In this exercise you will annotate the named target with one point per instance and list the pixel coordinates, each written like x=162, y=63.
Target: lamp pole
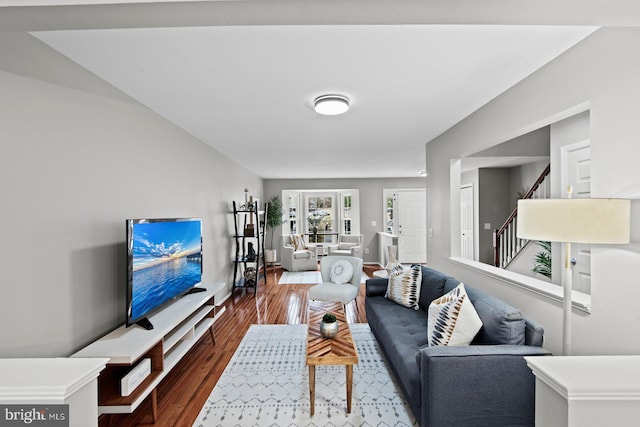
x=588, y=221
x=567, y=285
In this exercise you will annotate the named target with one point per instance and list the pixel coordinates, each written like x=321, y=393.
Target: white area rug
x=266, y=383
x=305, y=277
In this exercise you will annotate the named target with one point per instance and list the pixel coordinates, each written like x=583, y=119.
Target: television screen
x=164, y=261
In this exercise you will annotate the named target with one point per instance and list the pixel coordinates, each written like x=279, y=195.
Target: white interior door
x=466, y=221
x=412, y=226
x=576, y=172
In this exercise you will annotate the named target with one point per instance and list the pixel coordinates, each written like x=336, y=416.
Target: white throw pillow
x=341, y=272
x=452, y=319
x=298, y=242
x=404, y=284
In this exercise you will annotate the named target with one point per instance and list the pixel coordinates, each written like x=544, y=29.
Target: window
x=320, y=218
x=321, y=214
x=346, y=213
x=292, y=201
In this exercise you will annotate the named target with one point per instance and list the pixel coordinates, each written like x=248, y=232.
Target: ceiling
x=248, y=90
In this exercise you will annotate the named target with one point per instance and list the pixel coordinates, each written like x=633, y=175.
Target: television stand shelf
x=177, y=328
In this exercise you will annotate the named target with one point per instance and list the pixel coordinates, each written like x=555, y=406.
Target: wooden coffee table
x=339, y=350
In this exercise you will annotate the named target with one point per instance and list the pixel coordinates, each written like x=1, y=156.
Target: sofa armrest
x=286, y=259
x=376, y=287
x=533, y=333
x=331, y=248
x=479, y=385
x=357, y=252
x=288, y=248
x=426, y=353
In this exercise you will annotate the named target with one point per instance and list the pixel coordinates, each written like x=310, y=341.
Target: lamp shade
x=574, y=220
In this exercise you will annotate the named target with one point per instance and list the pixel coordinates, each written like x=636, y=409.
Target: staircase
x=506, y=245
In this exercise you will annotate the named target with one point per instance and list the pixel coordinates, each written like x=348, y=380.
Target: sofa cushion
x=432, y=286
x=404, y=286
x=452, y=320
x=350, y=238
x=501, y=323
x=301, y=254
x=400, y=332
x=346, y=246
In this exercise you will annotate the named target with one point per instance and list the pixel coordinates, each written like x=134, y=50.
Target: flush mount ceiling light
x=331, y=105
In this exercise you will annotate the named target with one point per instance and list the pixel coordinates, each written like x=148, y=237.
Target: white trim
x=589, y=378
x=580, y=301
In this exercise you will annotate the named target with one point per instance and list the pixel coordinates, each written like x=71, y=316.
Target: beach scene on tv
x=167, y=261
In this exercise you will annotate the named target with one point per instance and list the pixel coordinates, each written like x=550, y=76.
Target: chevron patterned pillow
x=452, y=319
x=404, y=285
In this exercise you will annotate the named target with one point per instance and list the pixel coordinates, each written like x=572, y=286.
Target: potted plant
x=329, y=325
x=274, y=220
x=542, y=260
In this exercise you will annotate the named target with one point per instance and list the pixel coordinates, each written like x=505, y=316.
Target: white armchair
x=337, y=292
x=296, y=256
x=348, y=245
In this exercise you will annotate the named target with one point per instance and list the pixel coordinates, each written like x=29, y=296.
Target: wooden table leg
x=154, y=405
x=213, y=337
x=312, y=387
x=349, y=386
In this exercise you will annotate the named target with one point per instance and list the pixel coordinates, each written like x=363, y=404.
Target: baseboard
x=374, y=263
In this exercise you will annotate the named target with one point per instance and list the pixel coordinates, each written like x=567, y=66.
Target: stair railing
x=506, y=245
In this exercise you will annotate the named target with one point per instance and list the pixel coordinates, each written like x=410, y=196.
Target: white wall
x=76, y=161
x=493, y=208
x=603, y=70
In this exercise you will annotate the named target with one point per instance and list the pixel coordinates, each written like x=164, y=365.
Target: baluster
x=509, y=249
x=514, y=238
x=505, y=242
x=506, y=245
x=504, y=248
x=499, y=249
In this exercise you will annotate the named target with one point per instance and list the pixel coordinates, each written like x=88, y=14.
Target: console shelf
x=177, y=328
x=249, y=227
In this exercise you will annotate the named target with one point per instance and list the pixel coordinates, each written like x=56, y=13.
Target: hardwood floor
x=183, y=392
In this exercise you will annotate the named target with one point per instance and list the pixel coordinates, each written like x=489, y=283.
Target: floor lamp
x=604, y=221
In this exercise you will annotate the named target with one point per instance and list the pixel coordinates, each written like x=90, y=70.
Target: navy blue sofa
x=484, y=384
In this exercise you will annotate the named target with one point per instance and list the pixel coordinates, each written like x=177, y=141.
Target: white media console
x=52, y=381
x=176, y=328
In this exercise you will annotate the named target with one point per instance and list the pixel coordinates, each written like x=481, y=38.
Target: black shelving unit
x=249, y=225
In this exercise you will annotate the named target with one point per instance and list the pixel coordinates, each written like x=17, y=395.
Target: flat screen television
x=164, y=262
